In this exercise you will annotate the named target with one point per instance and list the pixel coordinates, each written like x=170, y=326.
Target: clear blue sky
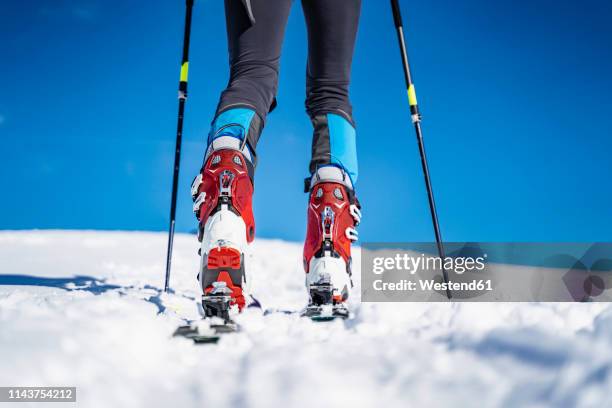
x=515, y=98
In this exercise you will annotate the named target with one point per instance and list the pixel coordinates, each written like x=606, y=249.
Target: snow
x=86, y=309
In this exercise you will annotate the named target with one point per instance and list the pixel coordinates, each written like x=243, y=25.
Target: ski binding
x=322, y=307
x=206, y=331
x=216, y=320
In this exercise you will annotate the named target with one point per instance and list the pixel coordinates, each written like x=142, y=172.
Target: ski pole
x=416, y=120
x=182, y=97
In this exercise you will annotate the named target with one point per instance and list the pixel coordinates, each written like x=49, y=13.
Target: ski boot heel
x=222, y=280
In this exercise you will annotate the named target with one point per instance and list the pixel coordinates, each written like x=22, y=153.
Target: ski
x=316, y=313
x=321, y=307
x=325, y=313
x=206, y=331
x=216, y=321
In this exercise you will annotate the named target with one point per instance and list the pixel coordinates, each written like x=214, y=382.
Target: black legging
x=255, y=31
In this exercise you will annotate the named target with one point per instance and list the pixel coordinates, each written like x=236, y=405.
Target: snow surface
x=85, y=309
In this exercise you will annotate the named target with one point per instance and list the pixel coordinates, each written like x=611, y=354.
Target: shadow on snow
x=80, y=282
x=89, y=284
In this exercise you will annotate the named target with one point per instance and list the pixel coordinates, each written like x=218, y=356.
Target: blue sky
x=515, y=98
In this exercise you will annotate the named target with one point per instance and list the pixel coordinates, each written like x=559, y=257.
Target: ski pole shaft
x=182, y=97
x=416, y=120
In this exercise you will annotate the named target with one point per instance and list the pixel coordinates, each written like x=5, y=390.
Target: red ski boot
x=333, y=214
x=222, y=195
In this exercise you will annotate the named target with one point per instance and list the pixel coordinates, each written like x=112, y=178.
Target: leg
x=333, y=210
x=332, y=29
x=254, y=54
x=222, y=192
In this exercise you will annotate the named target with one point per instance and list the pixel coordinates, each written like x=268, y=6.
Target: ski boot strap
x=327, y=174
x=233, y=143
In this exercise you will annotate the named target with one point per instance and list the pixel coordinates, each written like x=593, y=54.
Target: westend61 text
x=431, y=285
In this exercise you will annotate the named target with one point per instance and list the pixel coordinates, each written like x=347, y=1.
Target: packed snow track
x=86, y=309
